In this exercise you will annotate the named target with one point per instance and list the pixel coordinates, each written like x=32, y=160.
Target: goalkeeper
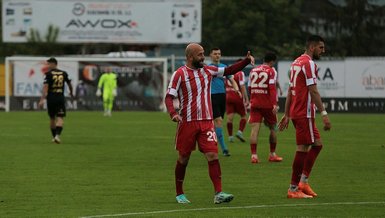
x=107, y=82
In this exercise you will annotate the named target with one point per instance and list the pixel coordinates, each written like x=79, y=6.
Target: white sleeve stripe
x=172, y=92
x=312, y=68
x=271, y=81
x=310, y=82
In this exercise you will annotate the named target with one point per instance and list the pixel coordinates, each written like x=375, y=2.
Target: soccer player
x=108, y=82
x=263, y=105
x=191, y=84
x=218, y=98
x=236, y=102
x=53, y=92
x=302, y=100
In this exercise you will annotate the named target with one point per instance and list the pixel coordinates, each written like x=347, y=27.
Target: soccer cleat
x=181, y=199
x=226, y=153
x=305, y=188
x=254, y=160
x=56, y=139
x=297, y=194
x=231, y=139
x=275, y=158
x=221, y=197
x=239, y=135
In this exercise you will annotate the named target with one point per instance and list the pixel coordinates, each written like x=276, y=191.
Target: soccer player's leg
x=302, y=140
x=110, y=104
x=180, y=172
x=310, y=159
x=270, y=119
x=230, y=116
x=59, y=112
x=207, y=145
x=106, y=101
x=52, y=110
x=255, y=120
x=255, y=127
x=241, y=110
x=185, y=144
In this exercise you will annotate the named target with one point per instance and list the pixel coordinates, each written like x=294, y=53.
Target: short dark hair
x=52, y=60
x=269, y=56
x=214, y=49
x=313, y=39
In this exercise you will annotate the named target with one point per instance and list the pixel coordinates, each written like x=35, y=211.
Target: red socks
x=310, y=159
x=272, y=147
x=230, y=129
x=298, y=163
x=180, y=172
x=215, y=175
x=242, y=124
x=214, y=172
x=253, y=148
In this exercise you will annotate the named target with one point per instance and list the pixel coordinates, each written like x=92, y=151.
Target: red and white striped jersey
x=303, y=73
x=192, y=88
x=262, y=80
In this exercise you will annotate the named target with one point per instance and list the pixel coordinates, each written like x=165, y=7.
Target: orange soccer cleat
x=305, y=188
x=297, y=194
x=275, y=158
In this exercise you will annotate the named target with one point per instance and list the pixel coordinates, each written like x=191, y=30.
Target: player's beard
x=316, y=56
x=197, y=63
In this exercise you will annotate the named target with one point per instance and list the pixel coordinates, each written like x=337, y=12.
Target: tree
x=237, y=26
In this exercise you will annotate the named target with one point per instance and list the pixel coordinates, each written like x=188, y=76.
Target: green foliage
x=125, y=164
x=238, y=26
x=50, y=37
x=356, y=29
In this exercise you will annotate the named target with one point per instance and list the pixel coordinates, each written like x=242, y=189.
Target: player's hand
x=176, y=118
x=98, y=93
x=246, y=102
x=275, y=109
x=239, y=93
x=284, y=123
x=41, y=103
x=249, y=56
x=327, y=124
x=72, y=95
x=114, y=92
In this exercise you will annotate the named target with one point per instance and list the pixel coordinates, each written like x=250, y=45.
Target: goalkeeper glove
x=98, y=93
x=114, y=92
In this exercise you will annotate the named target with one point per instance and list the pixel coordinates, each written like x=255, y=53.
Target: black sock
x=53, y=131
x=58, y=130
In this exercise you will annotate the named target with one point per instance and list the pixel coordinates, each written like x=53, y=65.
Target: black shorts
x=218, y=102
x=56, y=106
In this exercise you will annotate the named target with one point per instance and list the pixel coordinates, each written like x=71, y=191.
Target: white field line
x=233, y=208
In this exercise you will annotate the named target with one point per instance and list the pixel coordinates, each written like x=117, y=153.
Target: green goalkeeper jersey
x=108, y=81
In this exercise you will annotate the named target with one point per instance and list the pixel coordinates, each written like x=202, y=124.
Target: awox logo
x=103, y=23
x=78, y=9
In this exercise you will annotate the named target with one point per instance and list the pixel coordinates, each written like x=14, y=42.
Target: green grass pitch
x=123, y=166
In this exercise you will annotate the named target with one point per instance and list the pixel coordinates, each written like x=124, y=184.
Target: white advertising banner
x=29, y=75
x=365, y=77
x=117, y=21
x=331, y=77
